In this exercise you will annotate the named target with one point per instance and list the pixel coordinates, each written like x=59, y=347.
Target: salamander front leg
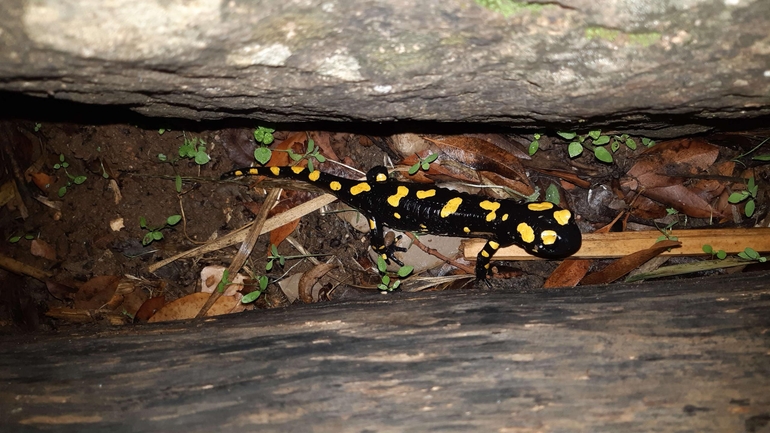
x=377, y=240
x=483, y=259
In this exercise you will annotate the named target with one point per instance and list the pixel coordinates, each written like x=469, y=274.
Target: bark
x=666, y=356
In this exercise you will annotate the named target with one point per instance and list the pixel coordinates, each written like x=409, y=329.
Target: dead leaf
x=624, y=265
x=41, y=248
x=480, y=155
x=96, y=292
x=568, y=273
x=310, y=278
x=187, y=307
x=149, y=307
x=42, y=181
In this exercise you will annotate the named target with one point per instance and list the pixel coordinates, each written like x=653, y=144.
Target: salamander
x=540, y=228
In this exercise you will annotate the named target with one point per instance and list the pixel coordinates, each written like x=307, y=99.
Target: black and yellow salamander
x=540, y=228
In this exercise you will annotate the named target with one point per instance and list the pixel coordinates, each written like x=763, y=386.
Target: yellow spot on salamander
x=562, y=216
x=253, y=171
x=237, y=173
x=275, y=170
x=486, y=266
x=484, y=253
x=372, y=224
x=451, y=207
x=491, y=206
x=314, y=175
x=395, y=199
x=397, y=215
x=359, y=188
x=505, y=217
x=335, y=186
x=494, y=245
x=466, y=230
x=544, y=205
x=381, y=177
x=548, y=237
x=297, y=169
x=425, y=193
x=526, y=232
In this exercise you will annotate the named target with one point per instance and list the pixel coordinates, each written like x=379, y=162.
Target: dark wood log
x=668, y=356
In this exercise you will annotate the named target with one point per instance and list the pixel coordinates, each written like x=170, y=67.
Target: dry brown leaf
x=150, y=307
x=187, y=307
x=480, y=155
x=42, y=181
x=568, y=273
x=624, y=265
x=41, y=248
x=96, y=292
x=310, y=278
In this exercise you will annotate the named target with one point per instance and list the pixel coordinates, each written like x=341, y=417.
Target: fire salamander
x=540, y=228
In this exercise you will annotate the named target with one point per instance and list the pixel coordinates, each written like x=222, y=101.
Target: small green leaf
x=157, y=235
x=430, y=158
x=294, y=156
x=147, y=239
x=142, y=222
x=751, y=253
x=178, y=183
x=56, y=166
x=661, y=238
x=386, y=280
x=631, y=144
x=721, y=254
x=79, y=179
x=269, y=265
x=310, y=165
x=602, y=140
x=425, y=166
x=382, y=287
x=566, y=135
x=162, y=157
x=310, y=145
x=405, y=270
x=382, y=266
x=537, y=137
x=14, y=239
x=552, y=194
x=274, y=250
x=761, y=158
x=282, y=260
x=62, y=191
x=603, y=155
x=173, y=219
x=65, y=164
x=614, y=146
x=707, y=249
x=575, y=149
x=224, y=281
x=61, y=157
x=738, y=197
x=671, y=211
x=413, y=169
x=320, y=158
x=395, y=285
x=29, y=236
x=595, y=134
x=750, y=206
x=251, y=297
x=262, y=282
x=262, y=154
x=533, y=147
x=202, y=158
x=161, y=131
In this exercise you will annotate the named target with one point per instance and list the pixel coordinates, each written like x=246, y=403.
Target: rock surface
x=619, y=62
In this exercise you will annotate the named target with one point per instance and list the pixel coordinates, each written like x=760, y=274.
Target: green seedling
x=534, y=145
x=647, y=142
x=38, y=126
x=276, y=256
x=720, y=254
x=194, y=148
x=16, y=238
x=224, y=282
x=162, y=131
x=666, y=232
x=263, y=136
x=77, y=180
x=751, y=254
x=251, y=297
x=312, y=152
x=578, y=144
x=386, y=284
x=423, y=163
x=178, y=183
x=763, y=158
x=750, y=194
x=154, y=233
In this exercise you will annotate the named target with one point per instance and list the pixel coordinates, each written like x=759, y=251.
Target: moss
x=612, y=35
x=509, y=7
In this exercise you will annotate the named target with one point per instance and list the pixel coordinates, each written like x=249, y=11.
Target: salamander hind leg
x=377, y=241
x=484, y=257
